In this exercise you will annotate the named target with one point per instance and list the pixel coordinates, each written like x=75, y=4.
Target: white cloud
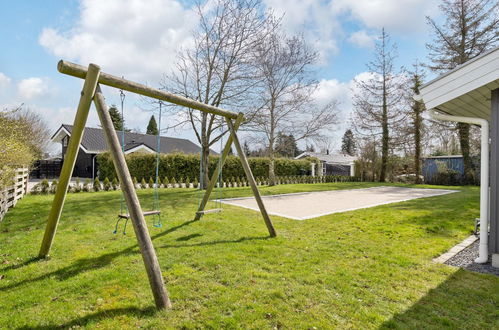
x=4, y=80
x=134, y=38
x=314, y=19
x=397, y=16
x=33, y=87
x=362, y=39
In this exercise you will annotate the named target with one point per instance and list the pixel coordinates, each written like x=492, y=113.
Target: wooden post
x=91, y=78
x=251, y=179
x=139, y=225
x=216, y=173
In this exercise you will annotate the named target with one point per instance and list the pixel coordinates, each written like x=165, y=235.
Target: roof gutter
x=483, y=255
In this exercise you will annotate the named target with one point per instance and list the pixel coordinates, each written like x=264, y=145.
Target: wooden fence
x=10, y=195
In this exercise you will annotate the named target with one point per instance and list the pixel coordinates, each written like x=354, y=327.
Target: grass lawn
x=368, y=268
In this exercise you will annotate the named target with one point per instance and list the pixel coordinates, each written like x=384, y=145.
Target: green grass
x=368, y=268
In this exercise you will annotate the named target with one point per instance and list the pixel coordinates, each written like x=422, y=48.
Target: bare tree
x=217, y=69
x=286, y=93
x=377, y=101
x=470, y=29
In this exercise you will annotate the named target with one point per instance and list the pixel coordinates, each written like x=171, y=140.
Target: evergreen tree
x=118, y=122
x=286, y=145
x=378, y=100
x=417, y=110
x=152, y=127
x=348, y=145
x=469, y=30
x=246, y=149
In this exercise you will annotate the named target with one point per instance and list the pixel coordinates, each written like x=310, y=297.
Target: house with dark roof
x=332, y=164
x=94, y=142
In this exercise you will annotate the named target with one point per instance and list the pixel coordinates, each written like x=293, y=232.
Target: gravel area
x=464, y=259
x=302, y=206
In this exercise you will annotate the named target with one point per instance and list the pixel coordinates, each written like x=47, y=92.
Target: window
x=65, y=141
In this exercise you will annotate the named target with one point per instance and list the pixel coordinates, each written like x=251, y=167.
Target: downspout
x=483, y=253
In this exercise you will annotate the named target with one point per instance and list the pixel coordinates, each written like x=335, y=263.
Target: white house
x=332, y=164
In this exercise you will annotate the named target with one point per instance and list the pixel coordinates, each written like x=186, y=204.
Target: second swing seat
x=127, y=216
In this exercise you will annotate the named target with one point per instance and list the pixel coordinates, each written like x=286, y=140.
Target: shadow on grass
x=453, y=305
x=240, y=240
x=25, y=263
x=85, y=264
x=96, y=317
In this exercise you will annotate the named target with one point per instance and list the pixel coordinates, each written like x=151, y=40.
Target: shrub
x=174, y=182
x=143, y=183
x=166, y=182
x=107, y=184
x=195, y=183
x=134, y=180
x=97, y=186
x=53, y=187
x=77, y=186
x=86, y=185
x=44, y=186
x=187, y=182
x=115, y=184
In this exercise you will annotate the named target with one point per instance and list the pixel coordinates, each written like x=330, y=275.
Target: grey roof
x=94, y=141
x=329, y=158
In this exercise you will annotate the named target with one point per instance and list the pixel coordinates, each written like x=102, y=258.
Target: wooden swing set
x=93, y=78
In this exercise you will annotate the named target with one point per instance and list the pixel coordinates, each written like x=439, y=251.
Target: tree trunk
x=385, y=137
x=464, y=141
x=417, y=141
x=205, y=153
x=272, y=180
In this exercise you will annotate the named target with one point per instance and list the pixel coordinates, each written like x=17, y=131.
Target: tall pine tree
x=348, y=145
x=152, y=127
x=378, y=100
x=118, y=122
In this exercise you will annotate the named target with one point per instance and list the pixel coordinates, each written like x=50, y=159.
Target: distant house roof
x=94, y=141
x=341, y=159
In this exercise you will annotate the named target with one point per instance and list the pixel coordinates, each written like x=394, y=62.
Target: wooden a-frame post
x=80, y=120
x=251, y=179
x=132, y=201
x=216, y=173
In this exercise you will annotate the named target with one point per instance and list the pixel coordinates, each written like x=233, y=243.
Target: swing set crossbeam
x=79, y=71
x=147, y=213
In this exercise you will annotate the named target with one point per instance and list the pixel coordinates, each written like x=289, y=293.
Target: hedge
x=179, y=166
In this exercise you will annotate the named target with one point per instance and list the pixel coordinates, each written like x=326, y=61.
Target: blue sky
x=138, y=39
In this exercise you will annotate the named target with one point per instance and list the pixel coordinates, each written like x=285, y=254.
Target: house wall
x=83, y=165
x=333, y=169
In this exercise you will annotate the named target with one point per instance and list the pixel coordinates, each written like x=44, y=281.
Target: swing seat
x=147, y=213
x=209, y=211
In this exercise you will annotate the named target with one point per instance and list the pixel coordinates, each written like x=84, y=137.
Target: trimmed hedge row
x=45, y=187
x=181, y=166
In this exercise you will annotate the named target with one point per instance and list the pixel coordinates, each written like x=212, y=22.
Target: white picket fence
x=10, y=195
